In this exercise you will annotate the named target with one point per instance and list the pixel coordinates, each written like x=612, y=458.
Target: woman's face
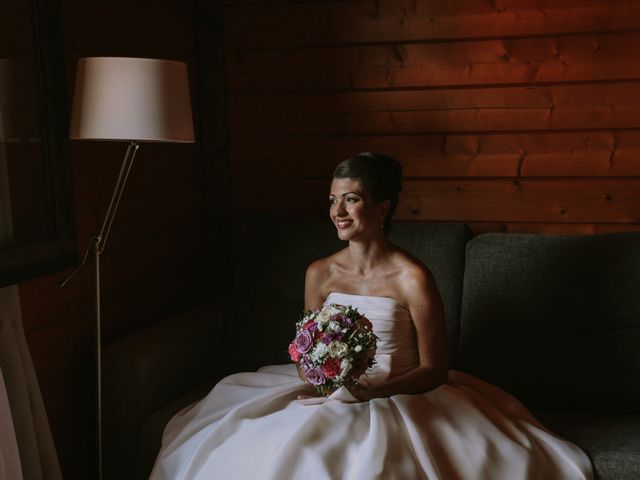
x=353, y=211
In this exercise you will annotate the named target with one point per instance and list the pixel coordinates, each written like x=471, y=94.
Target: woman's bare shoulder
x=318, y=278
x=415, y=277
x=323, y=267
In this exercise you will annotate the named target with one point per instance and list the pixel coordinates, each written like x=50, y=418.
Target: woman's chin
x=342, y=235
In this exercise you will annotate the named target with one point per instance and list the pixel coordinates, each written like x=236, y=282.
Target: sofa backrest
x=270, y=259
x=555, y=320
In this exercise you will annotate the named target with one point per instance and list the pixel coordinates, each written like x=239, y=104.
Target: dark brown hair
x=380, y=175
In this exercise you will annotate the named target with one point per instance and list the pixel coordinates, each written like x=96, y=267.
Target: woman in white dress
x=409, y=418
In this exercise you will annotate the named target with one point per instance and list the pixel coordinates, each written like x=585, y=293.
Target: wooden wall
x=516, y=115
x=153, y=265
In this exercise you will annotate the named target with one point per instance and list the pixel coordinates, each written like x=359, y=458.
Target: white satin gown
x=251, y=425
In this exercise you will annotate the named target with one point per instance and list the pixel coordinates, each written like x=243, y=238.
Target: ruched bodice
x=396, y=347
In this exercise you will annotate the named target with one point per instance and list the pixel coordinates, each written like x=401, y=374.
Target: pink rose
x=294, y=353
x=314, y=376
x=303, y=341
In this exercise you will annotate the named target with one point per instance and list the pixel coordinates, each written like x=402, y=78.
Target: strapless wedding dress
x=251, y=425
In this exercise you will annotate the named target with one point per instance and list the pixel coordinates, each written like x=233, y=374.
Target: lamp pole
x=97, y=244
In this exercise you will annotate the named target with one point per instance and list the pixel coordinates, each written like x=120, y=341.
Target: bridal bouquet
x=334, y=346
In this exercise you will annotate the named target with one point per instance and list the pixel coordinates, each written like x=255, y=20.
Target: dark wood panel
x=463, y=200
x=562, y=201
x=126, y=269
x=13, y=42
x=99, y=25
x=73, y=337
x=581, y=58
x=141, y=218
x=609, y=95
x=185, y=4
x=280, y=196
x=159, y=257
x=491, y=155
x=43, y=302
x=154, y=299
x=567, y=107
x=269, y=25
x=156, y=167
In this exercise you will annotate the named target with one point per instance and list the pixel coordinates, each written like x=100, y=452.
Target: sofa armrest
x=149, y=369
x=153, y=426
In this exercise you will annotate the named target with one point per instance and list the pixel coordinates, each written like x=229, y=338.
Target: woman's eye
x=352, y=199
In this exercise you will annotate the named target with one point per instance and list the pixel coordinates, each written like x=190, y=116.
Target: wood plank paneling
x=156, y=167
x=550, y=154
x=513, y=115
x=251, y=26
x=463, y=200
x=566, y=107
x=98, y=25
x=595, y=57
x=560, y=201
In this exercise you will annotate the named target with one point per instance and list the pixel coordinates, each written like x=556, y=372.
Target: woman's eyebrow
x=344, y=194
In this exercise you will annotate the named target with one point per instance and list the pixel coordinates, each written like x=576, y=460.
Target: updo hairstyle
x=380, y=175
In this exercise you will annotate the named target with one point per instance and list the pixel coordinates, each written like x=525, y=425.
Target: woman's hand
x=301, y=373
x=360, y=392
x=306, y=396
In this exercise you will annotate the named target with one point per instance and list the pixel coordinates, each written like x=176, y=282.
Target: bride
x=409, y=417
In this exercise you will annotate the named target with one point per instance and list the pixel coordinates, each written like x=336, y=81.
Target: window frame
x=57, y=250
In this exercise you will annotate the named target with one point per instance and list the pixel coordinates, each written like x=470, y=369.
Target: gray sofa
x=555, y=320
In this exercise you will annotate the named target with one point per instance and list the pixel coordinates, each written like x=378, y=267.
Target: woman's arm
x=313, y=298
x=425, y=305
x=313, y=281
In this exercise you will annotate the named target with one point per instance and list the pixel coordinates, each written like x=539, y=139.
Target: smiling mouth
x=343, y=223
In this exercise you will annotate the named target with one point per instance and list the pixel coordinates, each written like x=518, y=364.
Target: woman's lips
x=343, y=223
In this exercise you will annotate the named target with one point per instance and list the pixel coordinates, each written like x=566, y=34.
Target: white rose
x=319, y=351
x=333, y=326
x=324, y=316
x=338, y=349
x=358, y=348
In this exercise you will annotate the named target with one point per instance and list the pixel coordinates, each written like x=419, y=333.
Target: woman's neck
x=367, y=255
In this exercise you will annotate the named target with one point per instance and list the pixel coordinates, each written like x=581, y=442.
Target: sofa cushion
x=555, y=320
x=612, y=441
x=270, y=260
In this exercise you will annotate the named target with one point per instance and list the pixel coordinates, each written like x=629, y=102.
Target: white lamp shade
x=140, y=99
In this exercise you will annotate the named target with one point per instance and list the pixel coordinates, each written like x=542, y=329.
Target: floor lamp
x=133, y=100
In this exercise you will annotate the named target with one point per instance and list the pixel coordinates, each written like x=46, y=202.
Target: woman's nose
x=340, y=209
